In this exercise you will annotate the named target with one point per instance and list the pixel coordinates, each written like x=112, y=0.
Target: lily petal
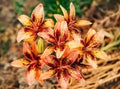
x=51, y=61
x=72, y=11
x=63, y=79
x=59, y=52
x=48, y=23
x=71, y=58
x=101, y=34
x=49, y=50
x=22, y=35
x=64, y=12
x=59, y=18
x=47, y=35
x=64, y=30
x=30, y=76
x=34, y=48
x=26, y=47
x=38, y=14
x=27, y=51
x=74, y=44
x=75, y=73
x=61, y=31
x=25, y=20
x=91, y=61
x=20, y=63
x=48, y=74
x=81, y=23
x=100, y=54
x=90, y=35
x=38, y=73
x=76, y=36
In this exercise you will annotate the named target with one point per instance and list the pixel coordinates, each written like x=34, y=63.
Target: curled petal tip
x=72, y=11
x=58, y=17
x=38, y=13
x=64, y=12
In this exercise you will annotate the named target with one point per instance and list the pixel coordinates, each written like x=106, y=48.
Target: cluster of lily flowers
x=59, y=46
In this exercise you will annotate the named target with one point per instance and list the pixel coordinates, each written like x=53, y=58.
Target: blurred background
x=105, y=15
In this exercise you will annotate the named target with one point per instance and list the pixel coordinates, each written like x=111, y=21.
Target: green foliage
x=107, y=0
x=2, y=28
x=4, y=47
x=19, y=6
x=53, y=6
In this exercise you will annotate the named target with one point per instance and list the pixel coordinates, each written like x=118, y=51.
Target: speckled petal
x=48, y=74
x=38, y=14
x=25, y=20
x=20, y=63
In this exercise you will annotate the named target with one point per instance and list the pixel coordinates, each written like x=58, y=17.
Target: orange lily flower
x=89, y=47
x=31, y=59
x=73, y=23
x=62, y=68
x=57, y=37
x=34, y=24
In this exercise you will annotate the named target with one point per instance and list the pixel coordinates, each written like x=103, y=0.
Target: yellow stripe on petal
x=89, y=35
x=25, y=20
x=20, y=63
x=81, y=23
x=48, y=23
x=30, y=39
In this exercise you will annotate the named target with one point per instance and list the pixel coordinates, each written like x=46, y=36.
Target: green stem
x=111, y=45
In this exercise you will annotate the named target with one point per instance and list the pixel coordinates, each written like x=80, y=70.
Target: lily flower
x=62, y=68
x=33, y=61
x=34, y=24
x=73, y=23
x=89, y=47
x=57, y=37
